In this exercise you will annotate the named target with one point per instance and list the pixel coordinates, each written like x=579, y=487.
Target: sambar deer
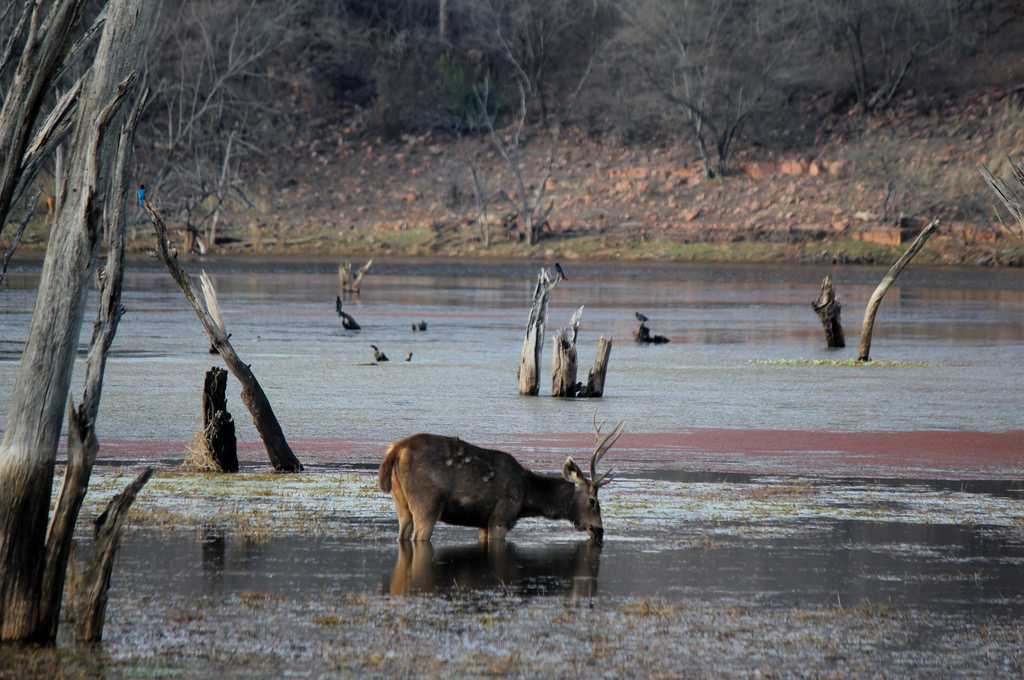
x=434, y=478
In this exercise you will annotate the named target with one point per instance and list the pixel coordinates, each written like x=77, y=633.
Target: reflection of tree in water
x=570, y=569
x=213, y=546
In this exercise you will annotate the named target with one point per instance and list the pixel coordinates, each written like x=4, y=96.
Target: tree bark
x=96, y=586
x=563, y=366
x=528, y=373
x=278, y=450
x=828, y=308
x=595, y=379
x=864, y=349
x=215, y=447
x=45, y=44
x=39, y=396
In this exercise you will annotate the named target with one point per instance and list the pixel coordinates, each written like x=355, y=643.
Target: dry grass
x=778, y=490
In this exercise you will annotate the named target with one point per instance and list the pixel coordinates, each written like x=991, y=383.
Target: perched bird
x=640, y=317
x=408, y=356
x=378, y=356
x=561, y=272
x=421, y=326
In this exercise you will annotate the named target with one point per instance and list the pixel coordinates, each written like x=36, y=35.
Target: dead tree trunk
x=827, y=307
x=528, y=373
x=349, y=279
x=864, y=349
x=563, y=363
x=39, y=396
x=595, y=379
x=93, y=597
x=215, y=446
x=278, y=450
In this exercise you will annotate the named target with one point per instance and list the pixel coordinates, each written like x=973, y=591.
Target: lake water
x=831, y=519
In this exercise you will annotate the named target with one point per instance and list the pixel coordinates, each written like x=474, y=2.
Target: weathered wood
x=864, y=349
x=349, y=279
x=93, y=599
x=828, y=308
x=528, y=373
x=255, y=400
x=38, y=399
x=563, y=363
x=595, y=379
x=215, y=446
x=82, y=444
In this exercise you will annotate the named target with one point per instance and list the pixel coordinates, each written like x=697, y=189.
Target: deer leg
x=423, y=519
x=405, y=523
x=496, y=533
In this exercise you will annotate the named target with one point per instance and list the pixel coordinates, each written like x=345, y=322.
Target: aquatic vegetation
x=841, y=363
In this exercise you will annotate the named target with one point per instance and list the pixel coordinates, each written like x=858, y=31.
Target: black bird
x=337, y=304
x=378, y=355
x=347, y=321
x=640, y=317
x=408, y=356
x=561, y=272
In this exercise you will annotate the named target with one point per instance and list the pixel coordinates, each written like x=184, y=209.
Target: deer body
x=434, y=478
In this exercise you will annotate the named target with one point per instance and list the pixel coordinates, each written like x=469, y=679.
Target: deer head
x=585, y=510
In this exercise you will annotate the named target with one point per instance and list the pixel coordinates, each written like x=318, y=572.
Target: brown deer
x=434, y=478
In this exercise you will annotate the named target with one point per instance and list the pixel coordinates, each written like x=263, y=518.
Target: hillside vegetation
x=677, y=129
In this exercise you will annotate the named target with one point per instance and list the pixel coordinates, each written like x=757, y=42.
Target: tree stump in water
x=215, y=446
x=563, y=366
x=828, y=308
x=642, y=334
x=595, y=379
x=528, y=373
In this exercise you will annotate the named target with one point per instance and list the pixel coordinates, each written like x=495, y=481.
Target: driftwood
x=642, y=334
x=351, y=279
x=278, y=450
x=828, y=308
x=92, y=599
x=215, y=446
x=528, y=373
x=347, y=322
x=864, y=349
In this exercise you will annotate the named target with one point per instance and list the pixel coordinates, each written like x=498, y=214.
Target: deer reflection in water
x=570, y=569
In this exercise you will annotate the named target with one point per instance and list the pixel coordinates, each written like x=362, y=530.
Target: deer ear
x=572, y=473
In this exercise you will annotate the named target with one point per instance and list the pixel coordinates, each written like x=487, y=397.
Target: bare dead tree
x=712, y=60
x=278, y=450
x=864, y=348
x=39, y=397
x=531, y=214
x=563, y=361
x=1011, y=195
x=350, y=279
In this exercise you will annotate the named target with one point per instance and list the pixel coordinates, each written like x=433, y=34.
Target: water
x=768, y=518
x=966, y=326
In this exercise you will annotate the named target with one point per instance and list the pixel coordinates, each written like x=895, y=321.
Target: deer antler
x=601, y=446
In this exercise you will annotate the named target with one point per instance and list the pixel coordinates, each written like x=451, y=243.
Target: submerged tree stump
x=595, y=379
x=828, y=308
x=350, y=280
x=215, y=446
x=563, y=363
x=528, y=373
x=864, y=348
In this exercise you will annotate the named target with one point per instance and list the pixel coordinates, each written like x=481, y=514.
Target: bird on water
x=378, y=356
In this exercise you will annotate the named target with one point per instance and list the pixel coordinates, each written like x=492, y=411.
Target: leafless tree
x=33, y=558
x=713, y=60
x=1010, y=194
